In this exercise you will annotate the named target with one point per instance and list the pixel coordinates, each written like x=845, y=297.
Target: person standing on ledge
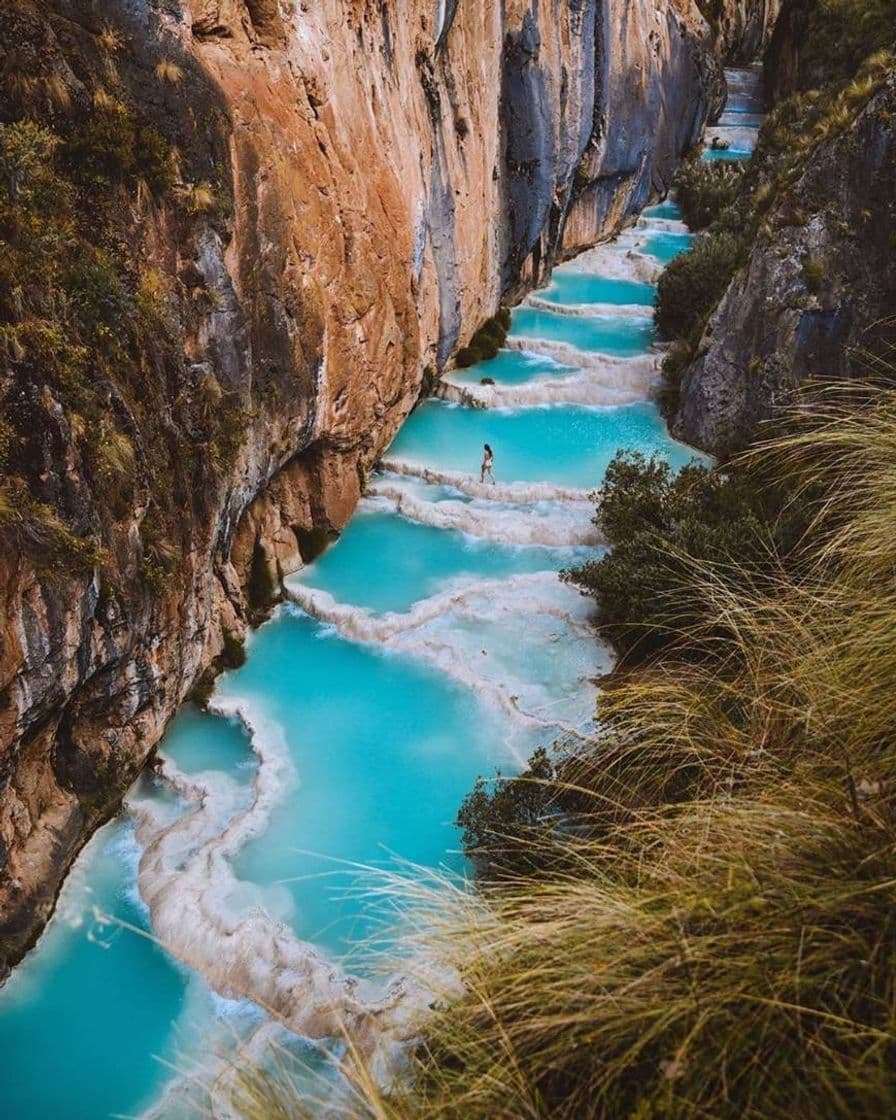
x=486, y=470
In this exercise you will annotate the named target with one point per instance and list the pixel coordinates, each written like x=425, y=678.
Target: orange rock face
x=397, y=170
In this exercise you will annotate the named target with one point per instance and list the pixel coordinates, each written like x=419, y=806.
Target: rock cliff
x=818, y=289
x=261, y=224
x=742, y=27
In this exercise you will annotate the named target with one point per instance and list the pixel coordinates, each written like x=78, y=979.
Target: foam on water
x=606, y=381
x=619, y=260
x=512, y=367
x=430, y=630
x=415, y=558
x=462, y=482
x=549, y=524
x=593, y=310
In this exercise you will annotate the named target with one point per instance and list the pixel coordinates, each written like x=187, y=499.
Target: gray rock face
x=744, y=27
x=783, y=54
x=811, y=294
x=590, y=134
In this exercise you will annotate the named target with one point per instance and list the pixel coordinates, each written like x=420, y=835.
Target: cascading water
x=432, y=643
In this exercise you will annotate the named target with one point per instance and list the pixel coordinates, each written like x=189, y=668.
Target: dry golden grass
x=169, y=72
x=110, y=40
x=200, y=198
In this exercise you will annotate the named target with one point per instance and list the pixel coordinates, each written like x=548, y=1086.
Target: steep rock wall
x=360, y=185
x=815, y=293
x=784, y=68
x=743, y=27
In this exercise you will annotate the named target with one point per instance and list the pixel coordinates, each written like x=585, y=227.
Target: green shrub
x=100, y=303
x=498, y=823
x=658, y=524
x=26, y=166
x=102, y=150
x=840, y=36
x=153, y=160
x=39, y=529
x=692, y=285
x=233, y=655
x=486, y=342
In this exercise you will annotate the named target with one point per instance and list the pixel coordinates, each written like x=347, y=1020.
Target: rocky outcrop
x=784, y=70
x=356, y=191
x=742, y=27
x=815, y=293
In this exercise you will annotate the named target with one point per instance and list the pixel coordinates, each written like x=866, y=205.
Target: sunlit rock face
x=386, y=175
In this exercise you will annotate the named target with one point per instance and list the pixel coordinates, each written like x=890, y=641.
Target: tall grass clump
x=696, y=915
x=703, y=190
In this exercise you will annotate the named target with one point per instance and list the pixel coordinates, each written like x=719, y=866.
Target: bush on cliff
x=486, y=342
x=498, y=820
x=658, y=524
x=840, y=35
x=102, y=413
x=692, y=285
x=749, y=195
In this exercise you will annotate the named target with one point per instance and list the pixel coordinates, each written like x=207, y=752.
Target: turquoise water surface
x=667, y=209
x=513, y=367
x=81, y=1020
x=563, y=444
x=740, y=118
x=570, y=286
x=667, y=246
x=734, y=154
x=414, y=561
x=621, y=337
x=378, y=727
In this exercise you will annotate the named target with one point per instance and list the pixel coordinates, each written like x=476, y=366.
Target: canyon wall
x=742, y=27
x=284, y=217
x=818, y=286
x=814, y=300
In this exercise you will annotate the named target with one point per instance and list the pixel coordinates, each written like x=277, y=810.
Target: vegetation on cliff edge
x=92, y=310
